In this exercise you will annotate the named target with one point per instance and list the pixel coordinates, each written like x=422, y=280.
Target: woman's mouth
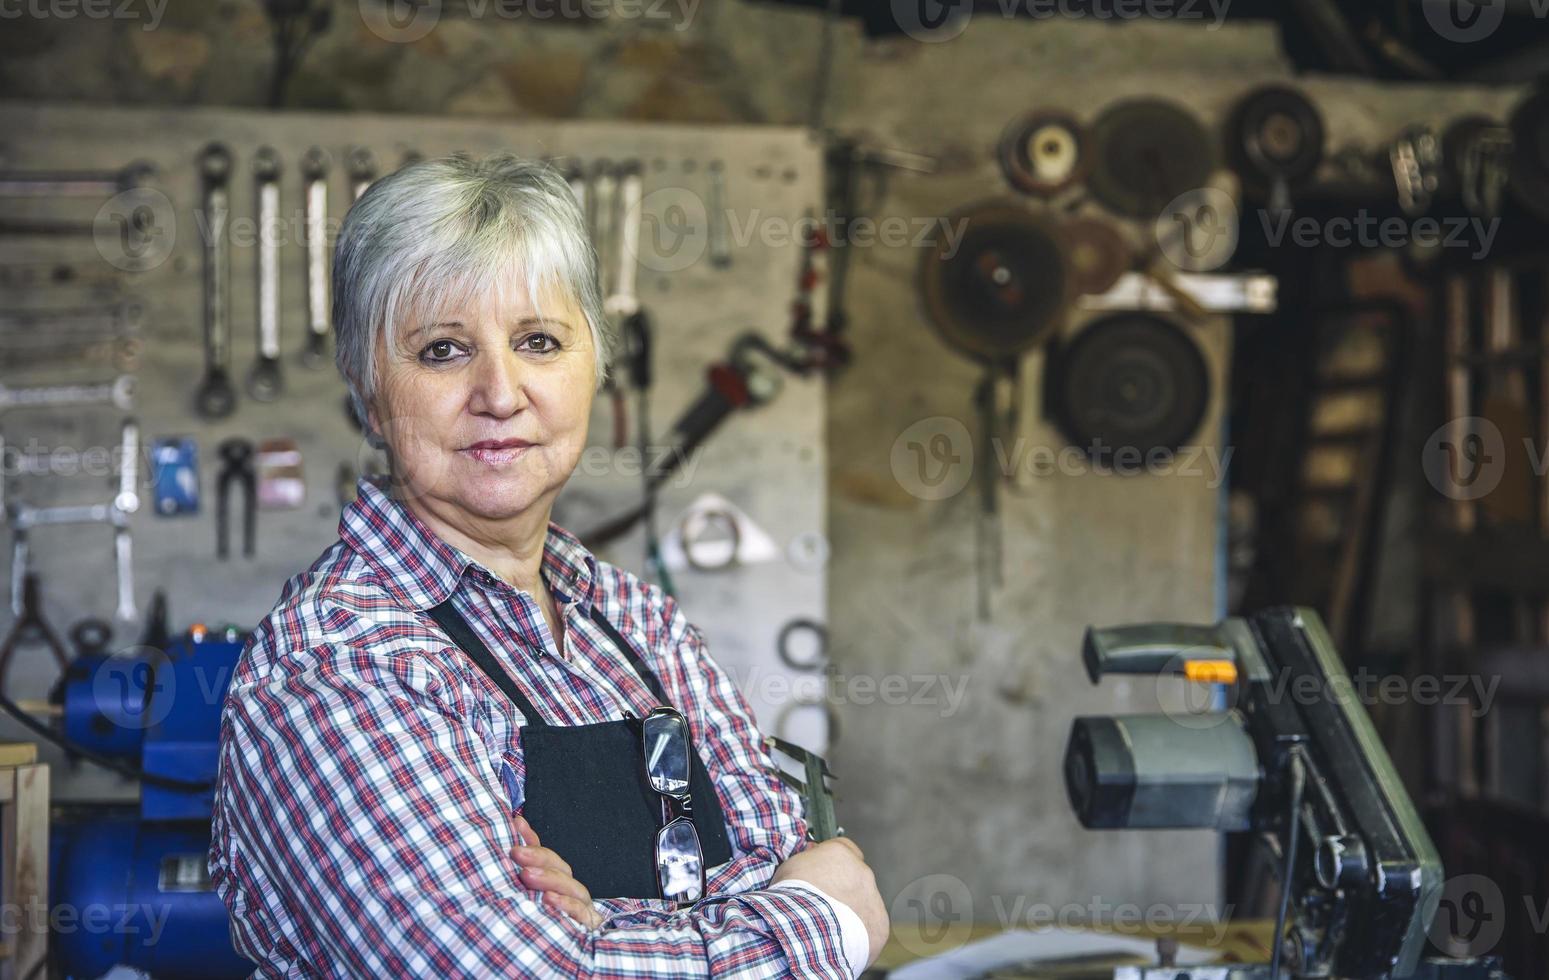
x=496, y=452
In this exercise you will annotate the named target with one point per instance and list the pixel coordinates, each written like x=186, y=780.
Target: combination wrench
x=266, y=381
x=74, y=183
x=216, y=398
x=362, y=168
x=119, y=393
x=314, y=170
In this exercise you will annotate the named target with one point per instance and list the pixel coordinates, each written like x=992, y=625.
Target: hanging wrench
x=216, y=398
x=720, y=251
x=74, y=183
x=622, y=302
x=604, y=185
x=119, y=393
x=265, y=381
x=314, y=170
x=362, y=167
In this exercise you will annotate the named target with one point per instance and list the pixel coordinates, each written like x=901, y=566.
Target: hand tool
x=602, y=194
x=1127, y=381
x=236, y=466
x=1476, y=154
x=361, y=165
x=1096, y=253
x=314, y=170
x=1146, y=152
x=266, y=380
x=817, y=798
x=30, y=626
x=1415, y=160
x=1275, y=137
x=74, y=183
x=1044, y=152
x=119, y=393
x=1004, y=288
x=18, y=276
x=625, y=249
x=215, y=397
x=175, y=476
x=575, y=175
x=718, y=243
x=24, y=518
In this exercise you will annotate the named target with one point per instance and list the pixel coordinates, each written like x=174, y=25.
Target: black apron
x=586, y=791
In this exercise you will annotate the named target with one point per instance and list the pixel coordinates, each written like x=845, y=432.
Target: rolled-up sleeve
x=356, y=793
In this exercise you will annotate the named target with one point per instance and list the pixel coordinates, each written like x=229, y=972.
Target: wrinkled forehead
x=506, y=291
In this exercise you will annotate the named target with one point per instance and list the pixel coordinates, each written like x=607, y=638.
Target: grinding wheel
x=1275, y=134
x=1004, y=288
x=1044, y=152
x=1096, y=254
x=1127, y=380
x=1145, y=153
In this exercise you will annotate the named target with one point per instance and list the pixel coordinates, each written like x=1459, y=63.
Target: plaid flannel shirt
x=361, y=823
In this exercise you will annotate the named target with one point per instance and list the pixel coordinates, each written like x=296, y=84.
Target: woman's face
x=484, y=407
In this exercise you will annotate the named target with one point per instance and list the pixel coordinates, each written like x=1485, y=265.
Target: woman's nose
x=497, y=380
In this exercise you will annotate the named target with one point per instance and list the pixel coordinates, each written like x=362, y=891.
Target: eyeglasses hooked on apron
x=628, y=804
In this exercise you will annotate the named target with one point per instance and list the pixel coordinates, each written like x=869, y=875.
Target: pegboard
x=768, y=461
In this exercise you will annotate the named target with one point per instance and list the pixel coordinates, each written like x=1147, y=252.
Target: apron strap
x=463, y=635
x=456, y=627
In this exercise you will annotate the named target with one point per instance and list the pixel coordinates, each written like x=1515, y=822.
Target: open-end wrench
x=362, y=168
x=216, y=398
x=73, y=183
x=603, y=194
x=119, y=393
x=625, y=247
x=575, y=174
x=266, y=381
x=314, y=170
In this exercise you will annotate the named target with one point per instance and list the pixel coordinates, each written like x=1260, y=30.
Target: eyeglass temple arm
x=819, y=802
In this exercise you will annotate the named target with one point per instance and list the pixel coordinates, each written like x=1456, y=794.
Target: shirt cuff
x=852, y=931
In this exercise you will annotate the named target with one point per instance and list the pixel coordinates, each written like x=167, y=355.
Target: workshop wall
x=969, y=788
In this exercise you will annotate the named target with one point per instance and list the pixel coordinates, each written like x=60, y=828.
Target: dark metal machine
x=1291, y=755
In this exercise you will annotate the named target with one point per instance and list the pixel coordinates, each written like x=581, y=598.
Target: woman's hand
x=839, y=868
x=547, y=873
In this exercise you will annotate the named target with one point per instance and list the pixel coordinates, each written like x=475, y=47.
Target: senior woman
x=461, y=745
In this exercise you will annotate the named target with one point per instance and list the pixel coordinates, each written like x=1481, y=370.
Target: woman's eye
x=440, y=350
x=538, y=343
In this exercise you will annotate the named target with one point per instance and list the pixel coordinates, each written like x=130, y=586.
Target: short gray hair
x=446, y=230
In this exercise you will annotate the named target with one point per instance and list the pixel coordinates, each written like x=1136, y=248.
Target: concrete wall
x=974, y=795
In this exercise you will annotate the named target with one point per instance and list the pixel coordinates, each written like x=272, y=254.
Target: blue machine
x=160, y=711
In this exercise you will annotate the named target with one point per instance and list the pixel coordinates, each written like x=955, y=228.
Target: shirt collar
x=423, y=571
